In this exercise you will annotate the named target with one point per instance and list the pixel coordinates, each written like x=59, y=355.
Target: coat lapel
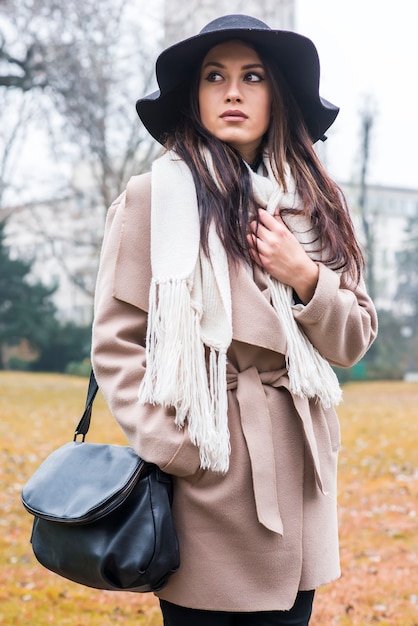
x=133, y=264
x=254, y=320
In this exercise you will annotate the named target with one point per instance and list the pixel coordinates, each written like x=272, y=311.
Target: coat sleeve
x=340, y=320
x=118, y=338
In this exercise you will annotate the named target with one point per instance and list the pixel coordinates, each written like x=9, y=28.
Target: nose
x=233, y=99
x=233, y=93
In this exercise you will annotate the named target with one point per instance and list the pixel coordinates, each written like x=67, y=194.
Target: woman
x=230, y=279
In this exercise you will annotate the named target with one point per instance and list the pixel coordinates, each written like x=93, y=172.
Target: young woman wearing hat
x=230, y=280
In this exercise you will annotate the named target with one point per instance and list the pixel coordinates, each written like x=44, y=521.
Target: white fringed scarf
x=190, y=317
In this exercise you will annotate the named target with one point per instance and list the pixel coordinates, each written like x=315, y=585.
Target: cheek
x=202, y=101
x=205, y=110
x=266, y=112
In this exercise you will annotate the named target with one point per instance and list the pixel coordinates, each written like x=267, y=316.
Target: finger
x=276, y=219
x=267, y=235
x=261, y=230
x=253, y=240
x=271, y=222
x=253, y=248
x=252, y=226
x=263, y=218
x=259, y=249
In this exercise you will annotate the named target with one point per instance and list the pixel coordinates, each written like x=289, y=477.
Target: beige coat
x=283, y=449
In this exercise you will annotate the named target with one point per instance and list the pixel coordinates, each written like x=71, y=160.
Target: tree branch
x=32, y=69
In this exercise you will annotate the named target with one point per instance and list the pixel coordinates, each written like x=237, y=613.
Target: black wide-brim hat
x=294, y=55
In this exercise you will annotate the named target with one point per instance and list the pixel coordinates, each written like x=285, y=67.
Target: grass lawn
x=378, y=506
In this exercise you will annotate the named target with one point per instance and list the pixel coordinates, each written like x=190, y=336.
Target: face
x=235, y=97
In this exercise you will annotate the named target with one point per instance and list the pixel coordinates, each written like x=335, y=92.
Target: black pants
x=298, y=615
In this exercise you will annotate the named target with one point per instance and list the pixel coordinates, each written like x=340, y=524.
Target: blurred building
x=388, y=210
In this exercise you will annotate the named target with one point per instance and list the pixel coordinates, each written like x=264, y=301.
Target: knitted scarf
x=190, y=318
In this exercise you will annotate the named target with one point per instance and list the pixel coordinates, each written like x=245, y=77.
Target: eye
x=214, y=77
x=254, y=77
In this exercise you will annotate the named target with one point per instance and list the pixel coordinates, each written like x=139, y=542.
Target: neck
x=255, y=164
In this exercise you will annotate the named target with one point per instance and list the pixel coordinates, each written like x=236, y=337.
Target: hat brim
x=294, y=54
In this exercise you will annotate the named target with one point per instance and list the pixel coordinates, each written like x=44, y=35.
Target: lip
x=234, y=115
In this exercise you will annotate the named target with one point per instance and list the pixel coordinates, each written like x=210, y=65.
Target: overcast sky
x=368, y=50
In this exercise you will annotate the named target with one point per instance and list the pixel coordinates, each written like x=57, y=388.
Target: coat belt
x=257, y=429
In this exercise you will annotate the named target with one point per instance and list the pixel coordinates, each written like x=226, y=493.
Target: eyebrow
x=244, y=67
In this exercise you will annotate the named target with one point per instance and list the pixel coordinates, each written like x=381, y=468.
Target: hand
x=277, y=250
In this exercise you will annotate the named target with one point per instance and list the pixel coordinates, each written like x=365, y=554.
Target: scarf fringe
x=310, y=375
x=176, y=374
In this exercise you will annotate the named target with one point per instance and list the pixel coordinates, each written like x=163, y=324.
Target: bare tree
x=11, y=136
x=92, y=61
x=23, y=73
x=367, y=117
x=22, y=61
x=95, y=61
x=99, y=69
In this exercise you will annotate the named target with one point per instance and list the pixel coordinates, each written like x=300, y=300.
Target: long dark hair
x=228, y=199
